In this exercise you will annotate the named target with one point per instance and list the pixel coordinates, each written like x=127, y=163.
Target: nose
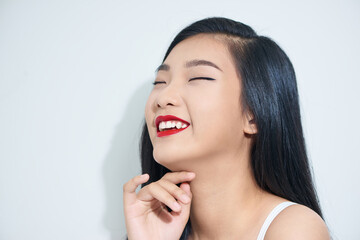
x=169, y=96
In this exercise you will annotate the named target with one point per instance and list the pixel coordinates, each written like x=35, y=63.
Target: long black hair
x=269, y=91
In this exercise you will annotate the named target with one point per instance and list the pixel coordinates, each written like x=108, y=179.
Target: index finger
x=178, y=177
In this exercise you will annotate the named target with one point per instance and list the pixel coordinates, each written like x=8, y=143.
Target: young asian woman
x=222, y=151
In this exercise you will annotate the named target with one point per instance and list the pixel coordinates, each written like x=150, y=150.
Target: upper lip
x=160, y=119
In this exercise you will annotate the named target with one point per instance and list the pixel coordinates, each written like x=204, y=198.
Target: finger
x=178, y=177
x=130, y=187
x=186, y=188
x=156, y=191
x=185, y=207
x=174, y=190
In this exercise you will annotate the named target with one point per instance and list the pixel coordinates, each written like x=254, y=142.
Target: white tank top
x=271, y=217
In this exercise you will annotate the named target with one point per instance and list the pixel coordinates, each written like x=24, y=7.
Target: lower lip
x=170, y=132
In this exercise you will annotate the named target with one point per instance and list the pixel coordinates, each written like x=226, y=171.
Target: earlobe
x=250, y=126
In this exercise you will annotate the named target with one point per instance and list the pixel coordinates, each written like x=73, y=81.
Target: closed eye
x=202, y=78
x=158, y=82
x=196, y=78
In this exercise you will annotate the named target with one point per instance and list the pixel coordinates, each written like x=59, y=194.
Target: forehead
x=202, y=46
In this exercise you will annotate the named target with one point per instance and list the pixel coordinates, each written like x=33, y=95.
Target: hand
x=146, y=216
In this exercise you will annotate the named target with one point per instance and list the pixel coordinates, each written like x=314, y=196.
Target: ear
x=249, y=124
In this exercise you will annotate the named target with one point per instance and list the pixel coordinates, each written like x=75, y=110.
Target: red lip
x=168, y=118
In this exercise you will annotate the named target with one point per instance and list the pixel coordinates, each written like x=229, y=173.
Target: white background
x=74, y=78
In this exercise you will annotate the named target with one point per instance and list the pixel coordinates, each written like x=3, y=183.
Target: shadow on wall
x=122, y=161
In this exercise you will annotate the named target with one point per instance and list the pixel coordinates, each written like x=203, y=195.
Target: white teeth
x=162, y=126
x=171, y=124
x=178, y=125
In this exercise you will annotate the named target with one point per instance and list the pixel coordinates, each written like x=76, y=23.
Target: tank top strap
x=271, y=217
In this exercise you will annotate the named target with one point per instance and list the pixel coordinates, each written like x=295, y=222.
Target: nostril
x=167, y=104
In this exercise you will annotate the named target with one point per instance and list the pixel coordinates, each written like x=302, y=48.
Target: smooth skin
x=210, y=159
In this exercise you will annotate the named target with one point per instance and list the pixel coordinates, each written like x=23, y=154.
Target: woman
x=223, y=153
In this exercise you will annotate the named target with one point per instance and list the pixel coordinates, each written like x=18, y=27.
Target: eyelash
x=196, y=78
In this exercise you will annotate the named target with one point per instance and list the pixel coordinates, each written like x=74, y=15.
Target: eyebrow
x=192, y=63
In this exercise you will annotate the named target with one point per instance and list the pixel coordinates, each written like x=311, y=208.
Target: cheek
x=209, y=106
x=217, y=118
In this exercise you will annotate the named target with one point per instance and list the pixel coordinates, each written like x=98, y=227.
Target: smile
x=169, y=124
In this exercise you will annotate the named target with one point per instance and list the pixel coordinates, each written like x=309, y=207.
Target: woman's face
x=199, y=85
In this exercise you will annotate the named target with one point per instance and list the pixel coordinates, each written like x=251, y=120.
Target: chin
x=174, y=161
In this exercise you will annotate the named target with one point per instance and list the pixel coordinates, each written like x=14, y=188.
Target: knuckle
x=163, y=182
x=169, y=186
x=175, y=190
x=151, y=186
x=132, y=182
x=179, y=192
x=169, y=198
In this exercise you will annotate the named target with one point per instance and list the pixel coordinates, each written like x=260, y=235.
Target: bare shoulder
x=298, y=222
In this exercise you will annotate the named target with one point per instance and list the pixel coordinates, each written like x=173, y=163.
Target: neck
x=225, y=198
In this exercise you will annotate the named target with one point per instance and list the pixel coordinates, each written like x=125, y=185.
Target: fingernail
x=176, y=206
x=185, y=198
x=191, y=174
